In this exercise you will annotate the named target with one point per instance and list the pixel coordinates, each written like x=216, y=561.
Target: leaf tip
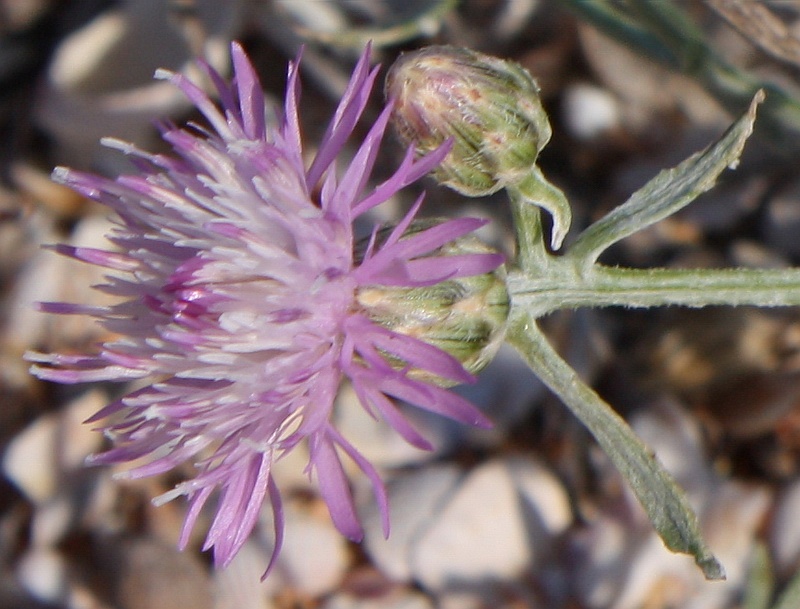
x=712, y=569
x=758, y=99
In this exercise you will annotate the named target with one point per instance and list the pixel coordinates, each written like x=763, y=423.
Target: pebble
x=378, y=441
x=150, y=574
x=415, y=499
x=451, y=530
x=478, y=537
x=50, y=277
x=314, y=557
x=314, y=16
x=100, y=80
x=506, y=392
x=239, y=585
x=43, y=574
x=732, y=522
x=18, y=14
x=589, y=111
x=780, y=221
x=545, y=500
x=646, y=88
x=30, y=458
x=53, y=519
x=728, y=523
x=37, y=185
x=37, y=459
x=668, y=430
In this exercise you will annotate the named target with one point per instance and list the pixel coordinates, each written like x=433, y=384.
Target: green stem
x=425, y=21
x=790, y=597
x=564, y=286
x=760, y=583
x=612, y=19
x=661, y=31
x=531, y=251
x=658, y=493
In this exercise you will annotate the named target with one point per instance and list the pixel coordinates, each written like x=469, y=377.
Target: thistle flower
x=239, y=304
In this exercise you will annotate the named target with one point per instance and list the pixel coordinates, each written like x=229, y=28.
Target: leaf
x=668, y=192
x=536, y=190
x=760, y=580
x=659, y=494
x=425, y=21
x=790, y=597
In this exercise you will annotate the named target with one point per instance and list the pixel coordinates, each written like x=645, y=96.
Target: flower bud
x=489, y=106
x=465, y=316
x=491, y=109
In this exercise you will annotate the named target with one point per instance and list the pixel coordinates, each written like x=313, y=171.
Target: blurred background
x=529, y=514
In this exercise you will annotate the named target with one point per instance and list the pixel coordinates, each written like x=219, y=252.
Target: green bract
x=464, y=316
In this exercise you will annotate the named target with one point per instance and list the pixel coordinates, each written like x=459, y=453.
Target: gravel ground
x=529, y=514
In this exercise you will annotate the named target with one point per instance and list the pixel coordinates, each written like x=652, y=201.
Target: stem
x=423, y=22
x=564, y=286
x=790, y=597
x=658, y=493
x=531, y=252
x=663, y=32
x=527, y=197
x=760, y=584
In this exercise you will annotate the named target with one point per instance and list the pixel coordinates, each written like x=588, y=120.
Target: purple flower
x=237, y=286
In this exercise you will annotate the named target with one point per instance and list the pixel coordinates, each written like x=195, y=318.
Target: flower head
x=239, y=304
x=489, y=106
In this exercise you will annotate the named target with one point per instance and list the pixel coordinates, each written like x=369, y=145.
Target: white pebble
x=479, y=536
x=589, y=111
x=314, y=557
x=414, y=500
x=42, y=572
x=378, y=441
x=30, y=459
x=100, y=79
x=239, y=585
x=37, y=458
x=543, y=494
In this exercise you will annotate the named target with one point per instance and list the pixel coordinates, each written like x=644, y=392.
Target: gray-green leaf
x=790, y=597
x=662, y=499
x=668, y=192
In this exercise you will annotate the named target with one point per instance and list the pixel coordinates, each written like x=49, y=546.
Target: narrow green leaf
x=790, y=597
x=424, y=22
x=664, y=32
x=760, y=579
x=657, y=491
x=668, y=192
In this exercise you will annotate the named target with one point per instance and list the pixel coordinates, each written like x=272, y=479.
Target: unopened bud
x=489, y=106
x=491, y=109
x=466, y=316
